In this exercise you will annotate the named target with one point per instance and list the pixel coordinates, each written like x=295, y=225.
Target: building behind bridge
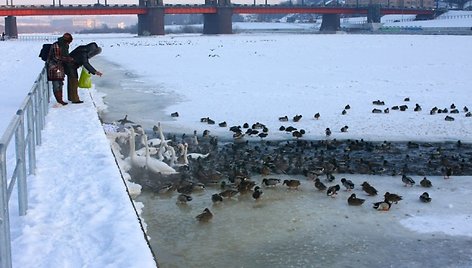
x=428, y=4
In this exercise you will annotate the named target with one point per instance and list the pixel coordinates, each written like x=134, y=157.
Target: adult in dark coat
x=81, y=56
x=57, y=60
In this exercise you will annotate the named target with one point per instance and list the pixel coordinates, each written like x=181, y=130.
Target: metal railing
x=25, y=127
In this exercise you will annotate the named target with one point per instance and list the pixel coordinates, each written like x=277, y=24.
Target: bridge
x=217, y=14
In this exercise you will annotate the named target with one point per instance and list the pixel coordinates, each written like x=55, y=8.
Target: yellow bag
x=85, y=80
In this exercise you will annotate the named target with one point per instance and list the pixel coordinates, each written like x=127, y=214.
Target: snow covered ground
x=80, y=215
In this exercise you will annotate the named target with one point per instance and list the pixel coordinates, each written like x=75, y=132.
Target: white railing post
x=5, y=240
x=21, y=164
x=31, y=118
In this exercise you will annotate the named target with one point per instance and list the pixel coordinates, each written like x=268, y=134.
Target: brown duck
x=293, y=184
x=426, y=183
x=392, y=198
x=369, y=189
x=354, y=201
x=228, y=193
x=319, y=185
x=205, y=216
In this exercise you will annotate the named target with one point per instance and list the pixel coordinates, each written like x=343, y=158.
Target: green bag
x=85, y=80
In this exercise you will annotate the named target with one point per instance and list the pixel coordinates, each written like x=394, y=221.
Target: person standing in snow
x=81, y=56
x=58, y=57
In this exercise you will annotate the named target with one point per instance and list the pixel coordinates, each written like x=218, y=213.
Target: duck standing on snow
x=426, y=183
x=354, y=201
x=408, y=181
x=369, y=189
x=348, y=184
x=424, y=197
x=270, y=182
x=392, y=198
x=319, y=185
x=448, y=173
x=382, y=205
x=292, y=184
x=328, y=132
x=333, y=190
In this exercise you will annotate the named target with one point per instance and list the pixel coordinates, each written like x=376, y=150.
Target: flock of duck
x=188, y=163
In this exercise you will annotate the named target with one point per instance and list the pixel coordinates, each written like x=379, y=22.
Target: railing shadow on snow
x=17, y=159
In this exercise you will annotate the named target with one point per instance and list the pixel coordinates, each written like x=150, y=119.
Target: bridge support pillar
x=11, y=29
x=219, y=23
x=373, y=13
x=151, y=23
x=331, y=22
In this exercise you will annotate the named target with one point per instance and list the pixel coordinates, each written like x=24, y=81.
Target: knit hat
x=67, y=37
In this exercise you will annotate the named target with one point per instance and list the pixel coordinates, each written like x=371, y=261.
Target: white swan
x=197, y=155
x=152, y=164
x=183, y=158
x=151, y=150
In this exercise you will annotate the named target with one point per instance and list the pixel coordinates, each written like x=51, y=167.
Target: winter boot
x=58, y=96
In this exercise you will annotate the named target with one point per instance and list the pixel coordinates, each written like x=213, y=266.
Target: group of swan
x=156, y=155
x=152, y=164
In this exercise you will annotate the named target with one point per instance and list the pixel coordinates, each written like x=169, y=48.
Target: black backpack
x=44, y=54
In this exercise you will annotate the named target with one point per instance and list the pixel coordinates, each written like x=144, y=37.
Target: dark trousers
x=72, y=86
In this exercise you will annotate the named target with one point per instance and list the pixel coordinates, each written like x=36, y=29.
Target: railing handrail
x=25, y=127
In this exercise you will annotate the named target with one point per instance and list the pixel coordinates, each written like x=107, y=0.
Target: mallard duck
x=216, y=198
x=246, y=185
x=348, y=184
x=408, y=181
x=319, y=185
x=228, y=193
x=426, y=183
x=270, y=182
x=166, y=188
x=328, y=132
x=354, y=201
x=317, y=116
x=393, y=198
x=369, y=189
x=225, y=185
x=333, y=190
x=382, y=205
x=205, y=216
x=424, y=197
x=125, y=121
x=257, y=193
x=448, y=173
x=183, y=198
x=330, y=177
x=283, y=118
x=293, y=184
x=297, y=118
x=174, y=114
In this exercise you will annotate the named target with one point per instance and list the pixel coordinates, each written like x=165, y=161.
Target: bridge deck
x=196, y=9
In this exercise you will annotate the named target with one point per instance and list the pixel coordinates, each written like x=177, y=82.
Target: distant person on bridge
x=58, y=57
x=81, y=56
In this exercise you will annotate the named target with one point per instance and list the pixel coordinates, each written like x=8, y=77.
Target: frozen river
x=293, y=228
